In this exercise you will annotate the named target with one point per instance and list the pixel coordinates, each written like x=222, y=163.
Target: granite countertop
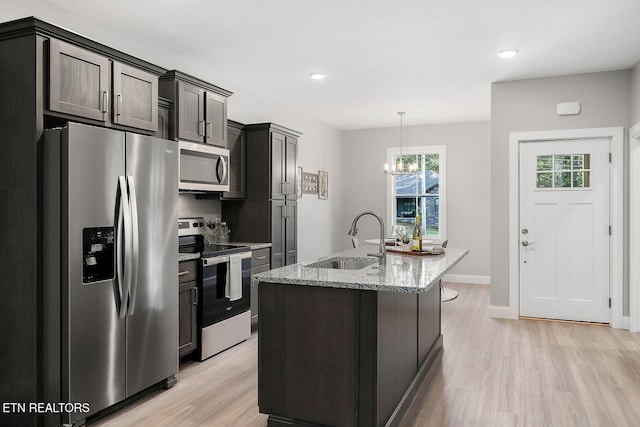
x=402, y=273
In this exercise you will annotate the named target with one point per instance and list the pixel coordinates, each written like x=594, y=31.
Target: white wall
x=530, y=105
x=468, y=183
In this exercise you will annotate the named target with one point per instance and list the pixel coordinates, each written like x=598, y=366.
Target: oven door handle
x=214, y=260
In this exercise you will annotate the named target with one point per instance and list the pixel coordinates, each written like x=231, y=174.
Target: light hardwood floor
x=492, y=372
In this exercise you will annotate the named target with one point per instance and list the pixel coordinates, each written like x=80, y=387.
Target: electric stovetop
x=215, y=250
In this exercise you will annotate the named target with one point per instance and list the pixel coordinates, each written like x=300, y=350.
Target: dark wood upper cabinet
x=215, y=129
x=78, y=81
x=291, y=164
x=284, y=161
x=135, y=97
x=89, y=85
x=200, y=108
x=164, y=111
x=278, y=162
x=236, y=146
x=190, y=108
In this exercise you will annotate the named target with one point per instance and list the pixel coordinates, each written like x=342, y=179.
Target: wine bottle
x=416, y=239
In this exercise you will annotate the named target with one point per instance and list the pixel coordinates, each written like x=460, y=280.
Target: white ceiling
x=433, y=59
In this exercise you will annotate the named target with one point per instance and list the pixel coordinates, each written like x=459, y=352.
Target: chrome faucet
x=382, y=254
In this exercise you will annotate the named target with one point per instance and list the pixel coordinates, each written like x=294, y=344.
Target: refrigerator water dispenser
x=98, y=254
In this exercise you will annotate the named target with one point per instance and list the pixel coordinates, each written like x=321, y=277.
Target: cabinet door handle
x=261, y=257
x=118, y=105
x=105, y=102
x=209, y=134
x=201, y=127
x=195, y=300
x=184, y=273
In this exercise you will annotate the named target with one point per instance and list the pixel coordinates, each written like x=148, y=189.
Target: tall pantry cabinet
x=268, y=213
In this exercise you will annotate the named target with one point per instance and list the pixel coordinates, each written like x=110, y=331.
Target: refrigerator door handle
x=134, y=241
x=121, y=245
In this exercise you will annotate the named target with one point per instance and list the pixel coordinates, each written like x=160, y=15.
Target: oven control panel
x=190, y=226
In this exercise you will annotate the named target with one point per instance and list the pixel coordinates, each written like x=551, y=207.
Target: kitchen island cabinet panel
x=377, y=329
x=339, y=357
x=308, y=362
x=398, y=358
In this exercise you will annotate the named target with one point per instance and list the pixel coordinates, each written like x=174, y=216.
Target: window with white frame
x=420, y=194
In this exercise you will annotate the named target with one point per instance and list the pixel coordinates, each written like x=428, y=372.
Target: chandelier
x=399, y=167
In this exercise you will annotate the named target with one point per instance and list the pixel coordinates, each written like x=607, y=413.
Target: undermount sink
x=344, y=263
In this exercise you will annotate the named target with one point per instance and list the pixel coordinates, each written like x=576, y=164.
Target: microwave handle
x=221, y=169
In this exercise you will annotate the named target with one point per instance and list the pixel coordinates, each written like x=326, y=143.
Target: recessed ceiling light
x=317, y=76
x=507, y=53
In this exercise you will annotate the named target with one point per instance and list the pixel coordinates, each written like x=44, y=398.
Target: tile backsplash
x=189, y=206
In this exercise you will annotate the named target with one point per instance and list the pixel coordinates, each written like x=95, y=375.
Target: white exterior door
x=564, y=229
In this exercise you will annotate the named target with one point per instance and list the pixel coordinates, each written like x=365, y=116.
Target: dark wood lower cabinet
x=187, y=331
x=343, y=357
x=187, y=307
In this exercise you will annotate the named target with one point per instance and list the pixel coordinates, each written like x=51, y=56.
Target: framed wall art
x=323, y=185
x=309, y=183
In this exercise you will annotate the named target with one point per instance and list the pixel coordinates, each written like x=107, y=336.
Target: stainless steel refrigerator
x=110, y=289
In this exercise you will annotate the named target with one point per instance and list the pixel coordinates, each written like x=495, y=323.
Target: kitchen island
x=346, y=341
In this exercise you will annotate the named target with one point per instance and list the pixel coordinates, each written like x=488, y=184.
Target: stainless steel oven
x=226, y=292
x=203, y=167
x=224, y=289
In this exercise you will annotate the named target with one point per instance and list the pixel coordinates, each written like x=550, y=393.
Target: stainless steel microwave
x=203, y=167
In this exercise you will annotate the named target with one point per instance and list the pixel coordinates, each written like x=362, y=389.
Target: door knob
x=527, y=243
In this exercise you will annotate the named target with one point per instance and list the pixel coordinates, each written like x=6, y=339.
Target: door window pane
x=545, y=180
x=562, y=180
x=563, y=171
x=544, y=163
x=562, y=162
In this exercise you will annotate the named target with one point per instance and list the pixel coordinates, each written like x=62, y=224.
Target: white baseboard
x=626, y=323
x=502, y=312
x=467, y=278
